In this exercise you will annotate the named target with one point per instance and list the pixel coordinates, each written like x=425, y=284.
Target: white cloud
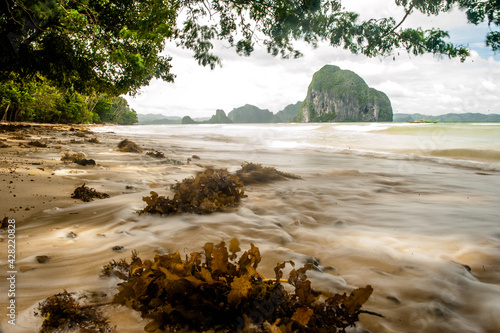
x=413, y=84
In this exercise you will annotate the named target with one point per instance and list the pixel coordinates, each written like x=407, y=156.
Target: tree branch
x=408, y=12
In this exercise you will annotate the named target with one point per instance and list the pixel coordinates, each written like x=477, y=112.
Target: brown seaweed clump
x=252, y=173
x=129, y=146
x=62, y=312
x=213, y=290
x=87, y=194
x=73, y=157
x=155, y=154
x=78, y=158
x=225, y=293
x=210, y=191
x=36, y=143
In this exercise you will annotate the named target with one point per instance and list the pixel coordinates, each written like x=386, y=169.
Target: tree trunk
x=5, y=113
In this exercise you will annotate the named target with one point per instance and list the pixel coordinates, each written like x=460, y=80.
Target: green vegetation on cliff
x=342, y=95
x=250, y=114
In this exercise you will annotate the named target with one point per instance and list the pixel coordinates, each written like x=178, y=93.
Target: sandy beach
x=29, y=183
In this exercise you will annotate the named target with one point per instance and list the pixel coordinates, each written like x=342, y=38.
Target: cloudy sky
x=423, y=84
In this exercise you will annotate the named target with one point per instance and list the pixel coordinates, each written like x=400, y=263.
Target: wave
x=486, y=155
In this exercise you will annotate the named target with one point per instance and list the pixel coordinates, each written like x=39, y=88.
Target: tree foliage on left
x=36, y=100
x=109, y=46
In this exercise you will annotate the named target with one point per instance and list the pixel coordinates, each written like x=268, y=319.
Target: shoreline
x=30, y=165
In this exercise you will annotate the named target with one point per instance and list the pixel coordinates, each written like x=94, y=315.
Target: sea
x=411, y=209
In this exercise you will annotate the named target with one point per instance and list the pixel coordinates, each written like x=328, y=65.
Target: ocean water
x=411, y=209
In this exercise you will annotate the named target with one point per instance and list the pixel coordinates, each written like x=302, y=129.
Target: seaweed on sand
x=36, y=143
x=129, y=146
x=87, y=194
x=210, y=191
x=215, y=290
x=62, y=312
x=73, y=157
x=78, y=158
x=251, y=173
x=155, y=154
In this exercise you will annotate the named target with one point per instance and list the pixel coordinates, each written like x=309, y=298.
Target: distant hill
x=449, y=117
x=250, y=114
x=159, y=119
x=287, y=114
x=219, y=118
x=336, y=95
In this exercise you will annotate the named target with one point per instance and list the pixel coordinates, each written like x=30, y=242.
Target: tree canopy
x=118, y=46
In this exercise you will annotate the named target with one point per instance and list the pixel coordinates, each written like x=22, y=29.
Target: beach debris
x=120, y=269
x=42, y=259
x=78, y=158
x=93, y=140
x=129, y=146
x=80, y=134
x=62, y=312
x=73, y=157
x=118, y=248
x=156, y=154
x=87, y=194
x=210, y=191
x=215, y=290
x=4, y=222
x=85, y=162
x=252, y=173
x=71, y=234
x=36, y=143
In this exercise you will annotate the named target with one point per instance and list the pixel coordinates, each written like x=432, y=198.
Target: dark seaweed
x=87, y=194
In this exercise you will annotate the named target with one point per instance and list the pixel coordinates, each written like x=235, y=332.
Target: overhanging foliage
x=116, y=47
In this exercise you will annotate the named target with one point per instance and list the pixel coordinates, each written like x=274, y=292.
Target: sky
x=414, y=84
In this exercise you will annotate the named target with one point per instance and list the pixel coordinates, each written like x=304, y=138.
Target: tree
x=117, y=46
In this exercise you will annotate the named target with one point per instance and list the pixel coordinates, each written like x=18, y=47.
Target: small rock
x=42, y=259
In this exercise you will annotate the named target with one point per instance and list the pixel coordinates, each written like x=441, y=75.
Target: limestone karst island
x=334, y=95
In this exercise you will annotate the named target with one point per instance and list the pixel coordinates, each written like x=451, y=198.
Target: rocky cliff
x=336, y=95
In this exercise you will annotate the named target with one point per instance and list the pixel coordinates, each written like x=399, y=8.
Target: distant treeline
x=35, y=100
x=449, y=117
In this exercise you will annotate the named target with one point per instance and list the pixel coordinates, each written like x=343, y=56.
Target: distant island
x=449, y=117
x=334, y=95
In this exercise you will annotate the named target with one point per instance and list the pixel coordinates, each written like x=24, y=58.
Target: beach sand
x=29, y=182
